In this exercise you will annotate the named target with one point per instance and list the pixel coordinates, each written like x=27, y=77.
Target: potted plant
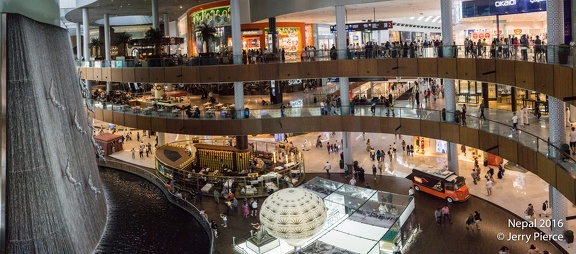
x=154, y=36
x=123, y=39
x=569, y=235
x=206, y=33
x=95, y=45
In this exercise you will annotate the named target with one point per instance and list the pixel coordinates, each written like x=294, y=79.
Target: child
x=245, y=210
x=225, y=219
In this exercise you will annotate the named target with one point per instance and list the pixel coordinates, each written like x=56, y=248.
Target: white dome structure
x=293, y=215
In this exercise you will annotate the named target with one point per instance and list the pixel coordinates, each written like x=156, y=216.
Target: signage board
x=367, y=26
x=478, y=8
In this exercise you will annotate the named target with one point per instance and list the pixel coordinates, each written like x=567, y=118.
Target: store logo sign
x=537, y=1
x=507, y=3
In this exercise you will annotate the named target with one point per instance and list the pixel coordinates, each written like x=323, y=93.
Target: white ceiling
x=385, y=10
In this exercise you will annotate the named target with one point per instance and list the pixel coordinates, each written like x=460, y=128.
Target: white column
x=155, y=21
x=108, y=86
x=158, y=90
x=449, y=85
x=166, y=24
x=161, y=138
x=554, y=28
x=447, y=27
x=86, y=27
x=341, y=32
x=78, y=42
x=237, y=55
x=108, y=57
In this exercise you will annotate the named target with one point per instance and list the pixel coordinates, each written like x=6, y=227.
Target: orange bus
x=441, y=183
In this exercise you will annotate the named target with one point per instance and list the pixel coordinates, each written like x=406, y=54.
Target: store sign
x=517, y=31
x=505, y=3
x=479, y=8
x=368, y=26
x=297, y=103
x=251, y=33
x=294, y=82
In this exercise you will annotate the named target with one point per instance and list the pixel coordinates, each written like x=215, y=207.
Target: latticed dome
x=293, y=215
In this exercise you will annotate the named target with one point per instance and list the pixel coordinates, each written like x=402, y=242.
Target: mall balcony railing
x=532, y=141
x=154, y=179
x=552, y=54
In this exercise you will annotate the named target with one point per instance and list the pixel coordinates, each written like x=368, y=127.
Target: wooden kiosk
x=109, y=142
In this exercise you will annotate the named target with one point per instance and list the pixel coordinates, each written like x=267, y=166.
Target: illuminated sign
x=368, y=26
x=505, y=3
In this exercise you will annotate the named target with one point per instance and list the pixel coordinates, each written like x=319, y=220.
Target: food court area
x=206, y=165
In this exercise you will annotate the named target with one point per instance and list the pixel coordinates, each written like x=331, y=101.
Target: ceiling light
x=420, y=18
x=428, y=18
x=412, y=17
x=436, y=18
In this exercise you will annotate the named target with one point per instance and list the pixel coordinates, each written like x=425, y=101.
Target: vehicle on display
x=441, y=183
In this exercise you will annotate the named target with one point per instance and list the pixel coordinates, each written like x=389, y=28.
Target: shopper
x=514, y=122
x=245, y=209
x=504, y=250
x=374, y=171
x=224, y=220
x=216, y=196
x=482, y=108
x=133, y=152
x=489, y=185
x=470, y=222
x=446, y=214
x=573, y=141
x=545, y=207
x=477, y=219
x=253, y=207
x=529, y=212
x=327, y=167
x=214, y=227
x=438, y=216
x=533, y=250
x=353, y=181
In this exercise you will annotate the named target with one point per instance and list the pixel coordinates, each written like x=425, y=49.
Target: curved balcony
x=528, y=150
x=533, y=73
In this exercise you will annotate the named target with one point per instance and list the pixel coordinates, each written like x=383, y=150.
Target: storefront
x=217, y=15
x=291, y=36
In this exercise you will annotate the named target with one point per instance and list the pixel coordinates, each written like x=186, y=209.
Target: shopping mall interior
x=278, y=126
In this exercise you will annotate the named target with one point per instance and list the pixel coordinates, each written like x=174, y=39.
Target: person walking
x=327, y=167
x=474, y=175
x=224, y=220
x=216, y=196
x=438, y=216
x=245, y=209
x=489, y=185
x=482, y=108
x=214, y=227
x=374, y=171
x=235, y=204
x=477, y=219
x=253, y=207
x=529, y=212
x=403, y=145
x=470, y=222
x=446, y=214
x=545, y=207
x=353, y=181
x=133, y=152
x=514, y=122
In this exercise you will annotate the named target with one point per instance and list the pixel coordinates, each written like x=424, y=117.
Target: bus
x=441, y=183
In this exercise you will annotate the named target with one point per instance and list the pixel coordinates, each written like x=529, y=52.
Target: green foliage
x=123, y=39
x=154, y=37
x=206, y=33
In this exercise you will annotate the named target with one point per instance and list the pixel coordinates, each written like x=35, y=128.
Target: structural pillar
x=237, y=56
x=158, y=90
x=449, y=85
x=273, y=34
x=242, y=142
x=161, y=138
x=556, y=119
x=513, y=98
x=107, y=55
x=166, y=25
x=485, y=94
x=86, y=31
x=341, y=32
x=155, y=20
x=78, y=42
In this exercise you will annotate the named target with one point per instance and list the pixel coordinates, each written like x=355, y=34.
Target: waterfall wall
x=54, y=199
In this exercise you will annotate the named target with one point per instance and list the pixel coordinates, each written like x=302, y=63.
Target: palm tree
x=124, y=39
x=154, y=36
x=206, y=33
x=96, y=44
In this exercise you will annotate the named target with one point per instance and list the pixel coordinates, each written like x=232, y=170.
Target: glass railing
x=554, y=54
x=146, y=174
x=527, y=139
